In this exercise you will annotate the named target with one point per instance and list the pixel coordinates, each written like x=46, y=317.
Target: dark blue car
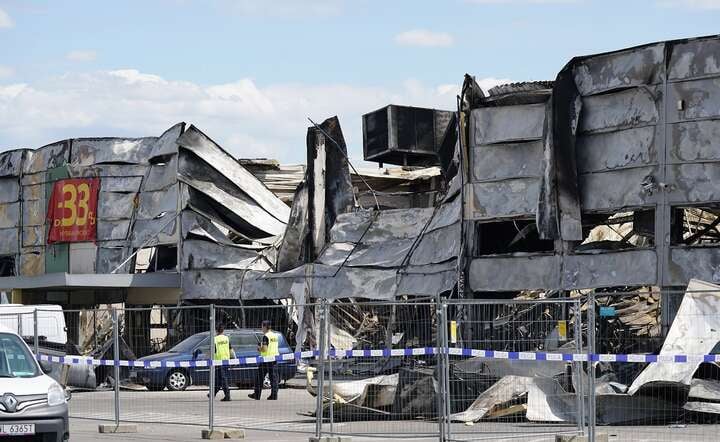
x=197, y=347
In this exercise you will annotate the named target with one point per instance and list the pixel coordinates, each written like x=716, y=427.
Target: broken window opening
x=695, y=226
x=617, y=231
x=514, y=236
x=7, y=266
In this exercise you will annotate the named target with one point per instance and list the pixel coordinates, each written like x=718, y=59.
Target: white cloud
x=5, y=20
x=81, y=56
x=247, y=119
x=6, y=71
x=691, y=4
x=425, y=38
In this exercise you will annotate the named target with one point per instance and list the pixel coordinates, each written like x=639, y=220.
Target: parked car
x=31, y=402
x=197, y=347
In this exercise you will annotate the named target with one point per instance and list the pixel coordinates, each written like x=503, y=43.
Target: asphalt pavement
x=180, y=416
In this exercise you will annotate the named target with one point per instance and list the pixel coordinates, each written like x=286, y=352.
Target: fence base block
x=214, y=434
x=234, y=434
x=601, y=437
x=122, y=428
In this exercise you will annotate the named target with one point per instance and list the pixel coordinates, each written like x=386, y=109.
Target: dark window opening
x=695, y=226
x=617, y=231
x=509, y=237
x=7, y=266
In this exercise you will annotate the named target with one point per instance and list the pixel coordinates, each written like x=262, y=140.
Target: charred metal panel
x=615, y=189
x=33, y=178
x=618, y=70
x=620, y=110
x=108, y=230
x=161, y=176
x=120, y=184
x=227, y=284
x=152, y=204
x=115, y=205
x=503, y=161
x=694, y=99
x=9, y=241
x=33, y=192
x=608, y=269
x=198, y=254
x=613, y=150
x=242, y=207
x=693, y=262
x=437, y=246
x=387, y=254
x=46, y=157
x=195, y=224
x=505, y=273
x=107, y=170
x=694, y=183
x=11, y=162
x=33, y=236
x=694, y=141
x=10, y=190
x=34, y=213
x=490, y=125
x=697, y=58
x=166, y=144
x=110, y=255
x=517, y=197
x=32, y=261
x=291, y=252
x=205, y=148
x=89, y=151
x=155, y=231
x=10, y=215
x=82, y=257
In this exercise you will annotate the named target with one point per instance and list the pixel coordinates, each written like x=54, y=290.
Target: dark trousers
x=269, y=368
x=221, y=380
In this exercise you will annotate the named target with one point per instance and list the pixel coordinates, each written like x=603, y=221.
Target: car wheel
x=177, y=380
x=155, y=387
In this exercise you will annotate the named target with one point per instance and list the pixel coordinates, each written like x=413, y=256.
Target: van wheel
x=177, y=380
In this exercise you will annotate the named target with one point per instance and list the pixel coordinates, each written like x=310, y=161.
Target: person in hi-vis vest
x=223, y=352
x=267, y=347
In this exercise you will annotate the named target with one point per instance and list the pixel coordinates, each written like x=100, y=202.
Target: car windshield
x=15, y=359
x=188, y=345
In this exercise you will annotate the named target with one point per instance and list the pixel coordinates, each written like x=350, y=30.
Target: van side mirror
x=196, y=353
x=46, y=367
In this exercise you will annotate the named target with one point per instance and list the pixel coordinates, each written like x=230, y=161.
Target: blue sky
x=249, y=72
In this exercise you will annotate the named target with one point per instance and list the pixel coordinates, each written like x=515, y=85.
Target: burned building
x=171, y=213
x=627, y=140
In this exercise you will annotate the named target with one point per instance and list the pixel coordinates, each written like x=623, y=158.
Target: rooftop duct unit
x=404, y=135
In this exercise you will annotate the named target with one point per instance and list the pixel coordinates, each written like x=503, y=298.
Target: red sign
x=72, y=211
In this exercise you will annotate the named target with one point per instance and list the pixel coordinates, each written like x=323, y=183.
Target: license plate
x=17, y=430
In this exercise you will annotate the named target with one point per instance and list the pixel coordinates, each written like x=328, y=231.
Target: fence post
x=331, y=391
x=211, y=366
x=321, y=369
x=578, y=368
x=591, y=367
x=36, y=341
x=116, y=363
x=442, y=368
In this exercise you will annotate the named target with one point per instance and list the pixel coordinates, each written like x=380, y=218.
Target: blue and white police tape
x=397, y=352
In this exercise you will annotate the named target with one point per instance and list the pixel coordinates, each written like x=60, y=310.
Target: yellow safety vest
x=273, y=344
x=222, y=348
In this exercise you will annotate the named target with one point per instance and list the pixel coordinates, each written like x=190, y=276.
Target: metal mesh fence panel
x=511, y=372
x=381, y=375
x=286, y=406
x=168, y=383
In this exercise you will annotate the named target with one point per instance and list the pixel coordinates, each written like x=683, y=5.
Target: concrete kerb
x=122, y=428
x=223, y=434
x=330, y=439
x=601, y=437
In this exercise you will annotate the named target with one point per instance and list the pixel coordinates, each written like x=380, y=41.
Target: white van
x=31, y=402
x=19, y=318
